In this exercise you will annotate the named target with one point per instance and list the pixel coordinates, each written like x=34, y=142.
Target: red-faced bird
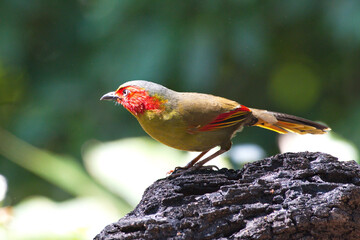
x=199, y=122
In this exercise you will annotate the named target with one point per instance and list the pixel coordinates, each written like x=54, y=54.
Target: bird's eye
x=125, y=92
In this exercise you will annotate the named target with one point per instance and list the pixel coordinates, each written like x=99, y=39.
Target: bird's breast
x=170, y=128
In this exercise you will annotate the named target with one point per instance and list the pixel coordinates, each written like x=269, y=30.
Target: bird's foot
x=178, y=171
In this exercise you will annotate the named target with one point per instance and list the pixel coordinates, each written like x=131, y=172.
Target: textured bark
x=287, y=196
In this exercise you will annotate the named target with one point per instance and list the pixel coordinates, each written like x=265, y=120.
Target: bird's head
x=137, y=97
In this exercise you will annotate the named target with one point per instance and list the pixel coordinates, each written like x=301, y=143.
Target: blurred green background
x=57, y=58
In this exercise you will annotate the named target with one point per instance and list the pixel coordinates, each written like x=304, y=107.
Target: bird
x=199, y=122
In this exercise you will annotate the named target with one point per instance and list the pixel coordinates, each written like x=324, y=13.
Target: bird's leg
x=195, y=165
x=202, y=162
x=192, y=162
x=224, y=148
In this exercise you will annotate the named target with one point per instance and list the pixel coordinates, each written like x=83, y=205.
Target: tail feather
x=284, y=123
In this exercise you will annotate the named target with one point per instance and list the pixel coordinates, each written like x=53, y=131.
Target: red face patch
x=137, y=100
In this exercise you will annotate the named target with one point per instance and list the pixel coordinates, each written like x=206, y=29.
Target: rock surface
x=287, y=196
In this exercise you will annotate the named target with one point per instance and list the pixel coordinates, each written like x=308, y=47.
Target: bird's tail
x=284, y=123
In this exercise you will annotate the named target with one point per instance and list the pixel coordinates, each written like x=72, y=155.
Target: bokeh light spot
x=294, y=86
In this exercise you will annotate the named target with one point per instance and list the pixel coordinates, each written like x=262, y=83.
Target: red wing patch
x=227, y=119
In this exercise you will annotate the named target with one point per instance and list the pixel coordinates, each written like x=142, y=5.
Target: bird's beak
x=110, y=96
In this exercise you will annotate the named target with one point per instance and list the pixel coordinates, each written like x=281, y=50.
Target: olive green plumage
x=199, y=122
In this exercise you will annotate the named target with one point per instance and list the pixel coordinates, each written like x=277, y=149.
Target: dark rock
x=287, y=196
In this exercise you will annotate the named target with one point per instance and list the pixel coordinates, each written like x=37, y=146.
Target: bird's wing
x=227, y=119
x=204, y=112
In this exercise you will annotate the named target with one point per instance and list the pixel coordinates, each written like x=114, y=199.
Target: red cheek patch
x=138, y=101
